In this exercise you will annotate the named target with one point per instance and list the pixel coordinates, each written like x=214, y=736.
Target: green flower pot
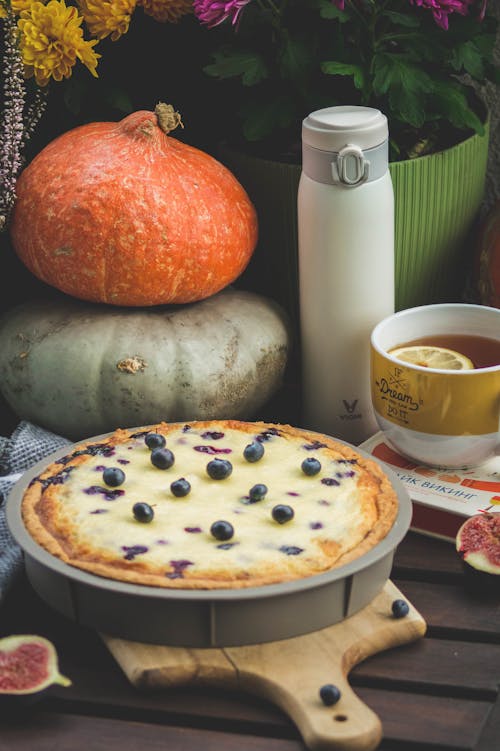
x=437, y=200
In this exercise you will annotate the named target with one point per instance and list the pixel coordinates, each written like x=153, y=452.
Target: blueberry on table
x=282, y=513
x=222, y=530
x=254, y=451
x=400, y=608
x=155, y=440
x=329, y=694
x=143, y=512
x=257, y=492
x=162, y=458
x=113, y=476
x=219, y=469
x=180, y=488
x=310, y=466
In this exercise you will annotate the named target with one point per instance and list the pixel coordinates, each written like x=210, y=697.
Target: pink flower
x=441, y=9
x=339, y=3
x=214, y=12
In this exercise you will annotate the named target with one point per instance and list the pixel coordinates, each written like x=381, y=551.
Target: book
x=442, y=498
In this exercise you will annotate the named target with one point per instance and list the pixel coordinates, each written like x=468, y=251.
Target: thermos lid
x=332, y=128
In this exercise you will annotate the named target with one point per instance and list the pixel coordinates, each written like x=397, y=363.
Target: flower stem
x=277, y=11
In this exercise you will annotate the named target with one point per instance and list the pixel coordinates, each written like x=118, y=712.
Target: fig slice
x=28, y=665
x=478, y=542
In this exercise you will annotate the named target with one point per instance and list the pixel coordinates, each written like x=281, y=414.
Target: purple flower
x=339, y=3
x=441, y=9
x=214, y=12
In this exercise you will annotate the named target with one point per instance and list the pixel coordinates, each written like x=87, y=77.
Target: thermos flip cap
x=332, y=128
x=345, y=146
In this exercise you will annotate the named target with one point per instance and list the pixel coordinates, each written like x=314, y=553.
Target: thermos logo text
x=350, y=413
x=350, y=406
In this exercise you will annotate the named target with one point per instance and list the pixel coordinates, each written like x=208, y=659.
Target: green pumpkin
x=82, y=369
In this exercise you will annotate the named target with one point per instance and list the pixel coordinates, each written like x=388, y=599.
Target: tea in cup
x=435, y=383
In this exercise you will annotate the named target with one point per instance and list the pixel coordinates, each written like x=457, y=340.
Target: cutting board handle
x=349, y=724
x=291, y=672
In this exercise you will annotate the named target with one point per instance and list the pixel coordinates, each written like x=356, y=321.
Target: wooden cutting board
x=289, y=673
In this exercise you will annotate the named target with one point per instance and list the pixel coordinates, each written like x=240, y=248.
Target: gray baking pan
x=215, y=618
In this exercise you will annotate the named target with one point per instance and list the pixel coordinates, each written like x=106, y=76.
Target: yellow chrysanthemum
x=16, y=5
x=167, y=10
x=107, y=17
x=51, y=41
x=19, y=5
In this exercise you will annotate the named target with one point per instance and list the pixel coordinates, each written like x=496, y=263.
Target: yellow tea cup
x=437, y=416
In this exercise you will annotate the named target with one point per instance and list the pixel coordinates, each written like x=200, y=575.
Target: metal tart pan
x=205, y=618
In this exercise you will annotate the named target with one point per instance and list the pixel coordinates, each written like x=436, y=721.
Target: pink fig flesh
x=28, y=665
x=478, y=542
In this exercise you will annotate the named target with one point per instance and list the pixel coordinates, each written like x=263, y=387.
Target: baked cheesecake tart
x=210, y=505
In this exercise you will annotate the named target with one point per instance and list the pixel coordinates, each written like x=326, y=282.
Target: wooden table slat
x=440, y=720
x=90, y=733
x=413, y=557
x=96, y=693
x=490, y=733
x=443, y=721
x=454, y=611
x=462, y=668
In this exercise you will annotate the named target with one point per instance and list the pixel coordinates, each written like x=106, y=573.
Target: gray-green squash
x=81, y=369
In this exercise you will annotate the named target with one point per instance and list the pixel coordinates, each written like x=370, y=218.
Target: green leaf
x=409, y=107
x=468, y=57
x=394, y=71
x=345, y=69
x=400, y=19
x=294, y=59
x=405, y=83
x=250, y=66
x=452, y=103
x=330, y=11
x=261, y=119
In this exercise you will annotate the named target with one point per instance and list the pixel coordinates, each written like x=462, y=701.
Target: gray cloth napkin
x=27, y=445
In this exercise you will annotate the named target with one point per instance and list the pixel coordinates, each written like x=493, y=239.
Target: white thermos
x=346, y=264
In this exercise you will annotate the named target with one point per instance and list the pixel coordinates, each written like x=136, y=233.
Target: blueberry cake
x=205, y=505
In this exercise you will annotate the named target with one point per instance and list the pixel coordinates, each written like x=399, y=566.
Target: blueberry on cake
x=210, y=505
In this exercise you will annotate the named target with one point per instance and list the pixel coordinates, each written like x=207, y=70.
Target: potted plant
x=421, y=62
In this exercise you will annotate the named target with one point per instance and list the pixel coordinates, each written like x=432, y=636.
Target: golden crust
x=53, y=527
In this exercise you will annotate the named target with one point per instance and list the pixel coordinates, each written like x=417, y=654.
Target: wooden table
x=440, y=692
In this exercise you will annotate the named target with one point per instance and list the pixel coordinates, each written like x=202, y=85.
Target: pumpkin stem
x=168, y=118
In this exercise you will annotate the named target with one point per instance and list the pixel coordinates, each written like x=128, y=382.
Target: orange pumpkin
x=487, y=270
x=122, y=213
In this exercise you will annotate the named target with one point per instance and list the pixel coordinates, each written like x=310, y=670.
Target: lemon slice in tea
x=438, y=358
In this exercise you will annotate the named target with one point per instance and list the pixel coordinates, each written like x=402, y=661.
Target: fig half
x=478, y=544
x=28, y=665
